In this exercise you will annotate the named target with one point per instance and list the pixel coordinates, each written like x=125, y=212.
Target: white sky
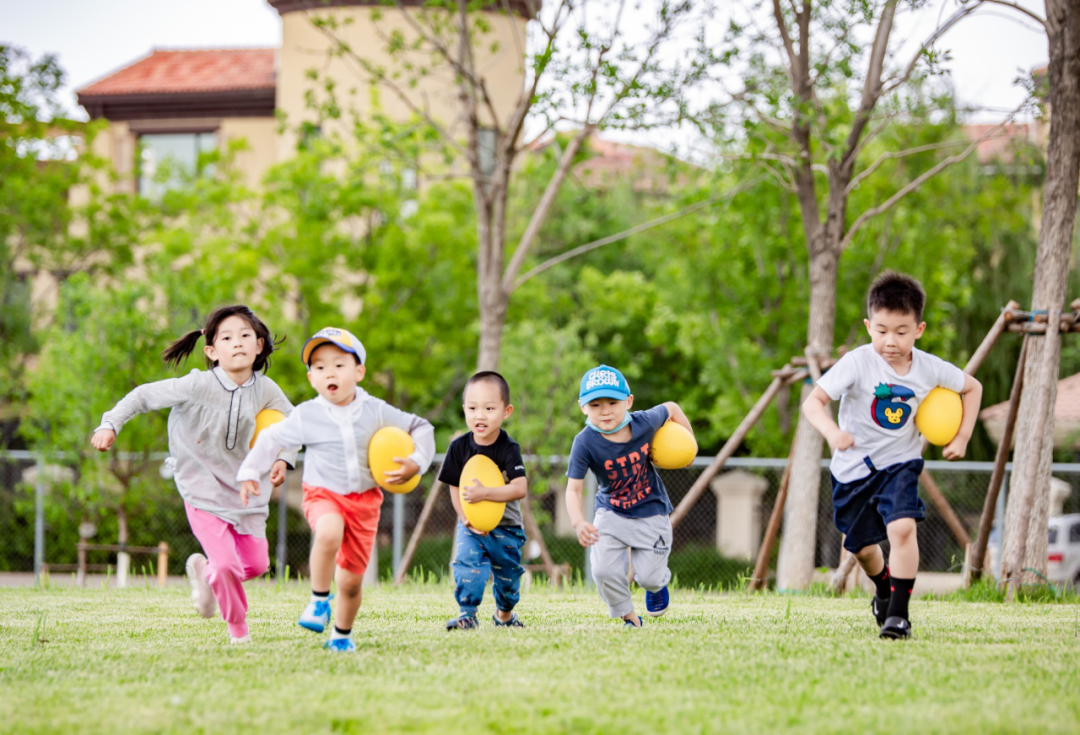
x=96, y=37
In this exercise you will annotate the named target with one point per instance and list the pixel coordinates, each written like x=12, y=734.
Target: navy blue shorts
x=862, y=509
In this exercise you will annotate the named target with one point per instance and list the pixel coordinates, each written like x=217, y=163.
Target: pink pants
x=232, y=559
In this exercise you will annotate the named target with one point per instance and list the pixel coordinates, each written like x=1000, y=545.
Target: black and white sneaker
x=896, y=628
x=464, y=621
x=880, y=607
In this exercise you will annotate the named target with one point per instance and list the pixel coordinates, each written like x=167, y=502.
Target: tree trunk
x=1030, y=488
x=798, y=544
x=492, y=320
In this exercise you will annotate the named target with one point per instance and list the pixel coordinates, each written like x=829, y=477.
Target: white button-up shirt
x=336, y=442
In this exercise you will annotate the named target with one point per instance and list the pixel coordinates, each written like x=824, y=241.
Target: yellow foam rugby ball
x=939, y=415
x=264, y=418
x=485, y=515
x=387, y=443
x=673, y=447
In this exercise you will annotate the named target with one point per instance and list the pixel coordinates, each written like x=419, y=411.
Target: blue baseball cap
x=603, y=382
x=332, y=335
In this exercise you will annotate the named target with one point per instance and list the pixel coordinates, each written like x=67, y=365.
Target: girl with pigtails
x=211, y=425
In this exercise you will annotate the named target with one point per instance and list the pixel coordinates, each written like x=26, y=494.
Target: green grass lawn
x=140, y=661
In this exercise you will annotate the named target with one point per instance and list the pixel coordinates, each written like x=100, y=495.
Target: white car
x=1063, y=548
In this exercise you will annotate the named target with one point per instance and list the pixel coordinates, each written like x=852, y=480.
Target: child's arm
x=461, y=513
x=423, y=436
x=676, y=414
x=972, y=398
x=147, y=397
x=816, y=410
x=276, y=400
x=516, y=489
x=263, y=456
x=586, y=532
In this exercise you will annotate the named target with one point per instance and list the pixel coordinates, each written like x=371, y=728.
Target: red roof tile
x=178, y=71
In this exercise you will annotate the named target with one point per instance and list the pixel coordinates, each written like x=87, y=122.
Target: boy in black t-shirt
x=479, y=555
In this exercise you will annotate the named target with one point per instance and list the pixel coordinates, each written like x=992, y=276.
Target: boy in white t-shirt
x=877, y=451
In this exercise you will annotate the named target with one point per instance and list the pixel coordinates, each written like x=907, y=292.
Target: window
x=1052, y=538
x=1074, y=534
x=170, y=160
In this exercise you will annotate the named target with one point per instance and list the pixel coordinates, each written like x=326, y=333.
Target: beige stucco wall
x=304, y=47
x=262, y=145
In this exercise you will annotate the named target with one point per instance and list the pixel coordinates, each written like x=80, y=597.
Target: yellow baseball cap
x=342, y=338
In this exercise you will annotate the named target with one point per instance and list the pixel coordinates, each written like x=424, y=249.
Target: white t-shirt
x=877, y=406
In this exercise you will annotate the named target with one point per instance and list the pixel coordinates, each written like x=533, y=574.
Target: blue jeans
x=480, y=557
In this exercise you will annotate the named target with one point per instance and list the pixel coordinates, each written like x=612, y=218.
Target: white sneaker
x=241, y=641
x=202, y=597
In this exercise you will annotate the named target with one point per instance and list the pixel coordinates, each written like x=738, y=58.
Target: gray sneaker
x=202, y=597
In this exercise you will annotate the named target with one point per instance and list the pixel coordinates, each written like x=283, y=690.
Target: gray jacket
x=210, y=426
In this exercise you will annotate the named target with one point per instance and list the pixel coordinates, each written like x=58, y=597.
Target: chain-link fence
x=714, y=546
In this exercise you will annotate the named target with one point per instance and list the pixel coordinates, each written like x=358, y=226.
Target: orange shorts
x=360, y=511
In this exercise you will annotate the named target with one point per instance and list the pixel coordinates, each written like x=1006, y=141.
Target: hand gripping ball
x=387, y=443
x=673, y=447
x=485, y=515
x=264, y=418
x=939, y=415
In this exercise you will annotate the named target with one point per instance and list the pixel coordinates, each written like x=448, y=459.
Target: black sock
x=882, y=580
x=341, y=632
x=901, y=593
x=323, y=595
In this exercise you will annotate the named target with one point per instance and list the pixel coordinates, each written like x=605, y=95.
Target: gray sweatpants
x=649, y=541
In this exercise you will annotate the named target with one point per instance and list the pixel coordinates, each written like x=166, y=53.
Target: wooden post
x=162, y=564
x=532, y=529
x=926, y=479
x=732, y=444
x=997, y=477
x=414, y=540
x=80, y=577
x=947, y=513
x=772, y=530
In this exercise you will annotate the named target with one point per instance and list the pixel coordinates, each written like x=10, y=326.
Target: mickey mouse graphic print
x=877, y=406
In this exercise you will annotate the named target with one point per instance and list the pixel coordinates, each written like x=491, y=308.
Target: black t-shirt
x=504, y=452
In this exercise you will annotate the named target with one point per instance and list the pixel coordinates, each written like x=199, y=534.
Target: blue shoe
x=340, y=645
x=630, y=624
x=316, y=615
x=656, y=603
x=464, y=621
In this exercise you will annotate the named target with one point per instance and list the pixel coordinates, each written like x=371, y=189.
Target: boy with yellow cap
x=341, y=499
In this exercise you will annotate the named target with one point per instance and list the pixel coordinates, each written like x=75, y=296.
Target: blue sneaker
x=340, y=645
x=513, y=622
x=316, y=615
x=656, y=603
x=630, y=624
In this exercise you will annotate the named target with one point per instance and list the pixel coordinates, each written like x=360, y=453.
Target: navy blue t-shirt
x=627, y=482
x=504, y=452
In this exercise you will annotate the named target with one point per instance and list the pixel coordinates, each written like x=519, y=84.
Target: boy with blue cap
x=341, y=499
x=632, y=505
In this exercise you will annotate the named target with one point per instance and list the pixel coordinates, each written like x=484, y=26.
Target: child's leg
x=254, y=555
x=329, y=531
x=504, y=550
x=610, y=563
x=871, y=560
x=360, y=524
x=650, y=547
x=348, y=595
x=224, y=566
x=472, y=568
x=903, y=564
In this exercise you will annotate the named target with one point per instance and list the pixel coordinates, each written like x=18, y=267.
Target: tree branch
x=899, y=154
x=919, y=181
x=587, y=247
